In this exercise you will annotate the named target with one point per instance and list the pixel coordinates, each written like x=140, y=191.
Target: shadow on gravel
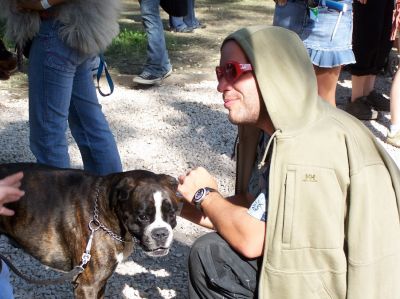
x=207, y=125
x=158, y=276
x=15, y=143
x=166, y=274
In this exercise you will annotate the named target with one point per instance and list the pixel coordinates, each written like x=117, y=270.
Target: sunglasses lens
x=230, y=71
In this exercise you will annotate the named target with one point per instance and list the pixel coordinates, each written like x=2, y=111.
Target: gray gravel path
x=166, y=129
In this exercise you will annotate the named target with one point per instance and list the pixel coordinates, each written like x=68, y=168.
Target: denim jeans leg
x=157, y=62
x=6, y=290
x=190, y=19
x=176, y=23
x=292, y=16
x=89, y=126
x=49, y=97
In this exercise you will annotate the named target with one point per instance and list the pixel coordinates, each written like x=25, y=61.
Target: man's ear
x=122, y=190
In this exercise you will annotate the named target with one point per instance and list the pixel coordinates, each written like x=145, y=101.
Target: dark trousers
x=372, y=26
x=217, y=271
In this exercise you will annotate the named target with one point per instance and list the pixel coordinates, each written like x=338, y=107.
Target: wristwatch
x=200, y=195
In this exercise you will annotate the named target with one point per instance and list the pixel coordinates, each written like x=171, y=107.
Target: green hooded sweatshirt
x=333, y=228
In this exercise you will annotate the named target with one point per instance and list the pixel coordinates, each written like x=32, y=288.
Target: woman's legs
x=61, y=92
x=393, y=137
x=327, y=80
x=361, y=86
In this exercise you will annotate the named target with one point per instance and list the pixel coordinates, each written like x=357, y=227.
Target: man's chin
x=232, y=119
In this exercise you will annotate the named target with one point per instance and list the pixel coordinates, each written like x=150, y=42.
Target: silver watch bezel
x=200, y=195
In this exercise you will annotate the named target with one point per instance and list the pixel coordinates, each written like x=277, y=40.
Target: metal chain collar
x=95, y=223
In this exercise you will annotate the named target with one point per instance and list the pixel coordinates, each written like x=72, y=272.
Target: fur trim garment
x=87, y=25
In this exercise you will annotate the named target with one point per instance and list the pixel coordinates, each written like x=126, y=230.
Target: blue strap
x=103, y=66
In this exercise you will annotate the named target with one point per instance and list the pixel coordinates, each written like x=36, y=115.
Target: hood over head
x=284, y=74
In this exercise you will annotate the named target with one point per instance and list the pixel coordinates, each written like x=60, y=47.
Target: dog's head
x=146, y=204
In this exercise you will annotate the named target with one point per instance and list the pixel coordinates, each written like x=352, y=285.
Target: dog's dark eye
x=143, y=218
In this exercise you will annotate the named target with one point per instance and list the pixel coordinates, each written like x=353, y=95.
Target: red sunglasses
x=232, y=70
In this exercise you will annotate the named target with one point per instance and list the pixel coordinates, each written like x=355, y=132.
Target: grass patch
x=127, y=51
x=128, y=42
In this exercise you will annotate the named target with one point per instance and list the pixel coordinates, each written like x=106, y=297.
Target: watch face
x=199, y=194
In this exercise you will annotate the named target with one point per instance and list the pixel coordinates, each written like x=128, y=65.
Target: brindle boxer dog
x=51, y=220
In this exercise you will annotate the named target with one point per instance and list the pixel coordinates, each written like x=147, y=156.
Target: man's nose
x=222, y=85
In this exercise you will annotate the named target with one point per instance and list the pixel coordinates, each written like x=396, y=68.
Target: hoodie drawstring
x=262, y=162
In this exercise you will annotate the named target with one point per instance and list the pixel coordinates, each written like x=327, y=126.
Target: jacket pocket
x=313, y=209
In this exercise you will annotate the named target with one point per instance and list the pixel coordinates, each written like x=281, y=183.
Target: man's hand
x=9, y=192
x=193, y=181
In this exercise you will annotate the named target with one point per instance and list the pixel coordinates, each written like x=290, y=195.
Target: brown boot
x=361, y=109
x=378, y=101
x=4, y=75
x=8, y=61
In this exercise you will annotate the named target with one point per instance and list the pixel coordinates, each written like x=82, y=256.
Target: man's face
x=241, y=96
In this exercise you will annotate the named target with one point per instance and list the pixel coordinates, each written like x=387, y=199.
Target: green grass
x=128, y=42
x=132, y=41
x=128, y=50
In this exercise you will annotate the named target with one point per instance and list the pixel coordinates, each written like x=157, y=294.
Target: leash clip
x=93, y=226
x=85, y=259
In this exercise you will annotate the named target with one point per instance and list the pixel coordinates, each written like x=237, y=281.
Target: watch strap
x=204, y=192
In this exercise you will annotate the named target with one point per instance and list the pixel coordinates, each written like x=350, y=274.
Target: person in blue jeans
x=62, y=93
x=157, y=66
x=186, y=24
x=9, y=192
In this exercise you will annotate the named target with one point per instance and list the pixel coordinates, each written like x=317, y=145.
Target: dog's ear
x=170, y=181
x=122, y=190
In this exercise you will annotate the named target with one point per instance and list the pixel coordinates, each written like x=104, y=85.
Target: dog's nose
x=160, y=234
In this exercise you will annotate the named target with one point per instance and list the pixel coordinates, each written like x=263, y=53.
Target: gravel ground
x=166, y=129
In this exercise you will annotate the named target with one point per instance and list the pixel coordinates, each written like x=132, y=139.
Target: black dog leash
x=61, y=279
x=66, y=276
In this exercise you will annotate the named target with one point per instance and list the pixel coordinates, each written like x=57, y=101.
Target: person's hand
x=193, y=181
x=9, y=192
x=362, y=1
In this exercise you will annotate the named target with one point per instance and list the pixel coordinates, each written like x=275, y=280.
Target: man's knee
x=202, y=245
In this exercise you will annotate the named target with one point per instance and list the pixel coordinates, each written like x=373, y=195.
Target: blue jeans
x=6, y=291
x=187, y=21
x=62, y=93
x=157, y=62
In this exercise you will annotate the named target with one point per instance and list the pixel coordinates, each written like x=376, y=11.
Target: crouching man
x=316, y=208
